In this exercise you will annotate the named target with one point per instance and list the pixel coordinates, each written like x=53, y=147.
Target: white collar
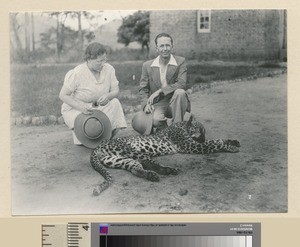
x=172, y=61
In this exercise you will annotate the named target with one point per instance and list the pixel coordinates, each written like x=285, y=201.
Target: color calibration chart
x=152, y=235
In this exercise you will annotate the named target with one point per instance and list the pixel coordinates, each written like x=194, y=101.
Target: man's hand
x=153, y=96
x=148, y=108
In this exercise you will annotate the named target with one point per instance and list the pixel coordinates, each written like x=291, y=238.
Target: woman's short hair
x=163, y=35
x=94, y=50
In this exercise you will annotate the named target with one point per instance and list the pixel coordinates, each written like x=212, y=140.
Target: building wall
x=234, y=35
x=181, y=25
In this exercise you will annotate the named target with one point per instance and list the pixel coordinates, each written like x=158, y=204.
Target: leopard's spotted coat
x=134, y=153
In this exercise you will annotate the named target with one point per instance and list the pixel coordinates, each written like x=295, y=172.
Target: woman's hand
x=103, y=100
x=87, y=110
x=65, y=96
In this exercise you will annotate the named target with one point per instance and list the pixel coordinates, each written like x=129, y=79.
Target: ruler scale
x=54, y=235
x=79, y=234
x=66, y=235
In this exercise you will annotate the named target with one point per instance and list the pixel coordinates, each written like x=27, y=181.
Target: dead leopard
x=135, y=153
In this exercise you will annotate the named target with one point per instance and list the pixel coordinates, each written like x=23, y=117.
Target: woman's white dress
x=86, y=89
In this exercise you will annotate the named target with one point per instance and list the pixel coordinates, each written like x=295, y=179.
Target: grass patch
x=207, y=73
x=34, y=90
x=271, y=64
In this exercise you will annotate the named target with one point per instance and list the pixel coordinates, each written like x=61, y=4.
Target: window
x=203, y=21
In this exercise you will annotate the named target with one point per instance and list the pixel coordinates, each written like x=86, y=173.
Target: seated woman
x=92, y=84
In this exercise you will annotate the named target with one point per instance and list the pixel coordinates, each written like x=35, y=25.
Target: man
x=162, y=85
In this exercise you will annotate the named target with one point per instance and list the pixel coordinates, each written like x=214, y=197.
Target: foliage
x=58, y=42
x=127, y=54
x=135, y=27
x=80, y=34
x=48, y=39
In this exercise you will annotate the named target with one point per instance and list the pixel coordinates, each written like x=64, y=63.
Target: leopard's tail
x=96, y=164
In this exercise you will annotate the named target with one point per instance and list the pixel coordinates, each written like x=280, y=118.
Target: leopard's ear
x=194, y=118
x=191, y=119
x=188, y=117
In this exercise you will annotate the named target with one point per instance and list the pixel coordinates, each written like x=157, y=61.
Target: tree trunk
x=14, y=24
x=58, y=39
x=27, y=34
x=146, y=43
x=148, y=50
x=80, y=36
x=32, y=33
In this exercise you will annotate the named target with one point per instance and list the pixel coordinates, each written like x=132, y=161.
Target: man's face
x=164, y=47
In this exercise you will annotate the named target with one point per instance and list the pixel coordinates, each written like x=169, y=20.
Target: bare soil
x=52, y=176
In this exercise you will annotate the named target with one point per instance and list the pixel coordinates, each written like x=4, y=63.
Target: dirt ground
x=52, y=176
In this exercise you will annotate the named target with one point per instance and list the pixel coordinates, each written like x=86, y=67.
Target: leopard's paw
x=166, y=170
x=235, y=143
x=96, y=192
x=152, y=176
x=173, y=171
x=231, y=146
x=234, y=149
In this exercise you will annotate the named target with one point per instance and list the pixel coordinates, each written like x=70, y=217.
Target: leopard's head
x=181, y=132
x=195, y=130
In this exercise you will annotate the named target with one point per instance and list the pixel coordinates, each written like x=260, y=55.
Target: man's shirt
x=163, y=72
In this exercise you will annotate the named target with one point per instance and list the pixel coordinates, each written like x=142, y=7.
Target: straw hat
x=91, y=129
x=142, y=123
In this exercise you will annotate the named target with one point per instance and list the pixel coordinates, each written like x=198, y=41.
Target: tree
x=60, y=20
x=32, y=32
x=16, y=50
x=79, y=15
x=135, y=27
x=15, y=39
x=48, y=39
x=60, y=40
x=27, y=32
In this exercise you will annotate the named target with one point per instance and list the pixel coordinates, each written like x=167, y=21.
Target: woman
x=92, y=84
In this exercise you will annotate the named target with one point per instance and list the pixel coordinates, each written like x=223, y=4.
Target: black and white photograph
x=149, y=111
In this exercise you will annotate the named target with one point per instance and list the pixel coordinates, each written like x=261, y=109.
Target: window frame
x=208, y=30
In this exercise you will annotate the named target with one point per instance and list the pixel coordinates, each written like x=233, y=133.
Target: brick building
x=223, y=34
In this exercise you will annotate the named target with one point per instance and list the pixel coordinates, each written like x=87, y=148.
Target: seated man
x=162, y=86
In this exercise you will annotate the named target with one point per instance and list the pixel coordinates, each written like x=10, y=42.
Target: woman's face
x=97, y=64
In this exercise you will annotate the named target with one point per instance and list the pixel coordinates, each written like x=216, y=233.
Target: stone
x=52, y=119
x=126, y=109
x=19, y=121
x=183, y=192
x=36, y=121
x=44, y=119
x=60, y=120
x=131, y=109
x=137, y=108
x=27, y=120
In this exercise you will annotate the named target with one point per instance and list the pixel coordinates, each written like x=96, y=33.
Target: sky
x=43, y=22
x=103, y=17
